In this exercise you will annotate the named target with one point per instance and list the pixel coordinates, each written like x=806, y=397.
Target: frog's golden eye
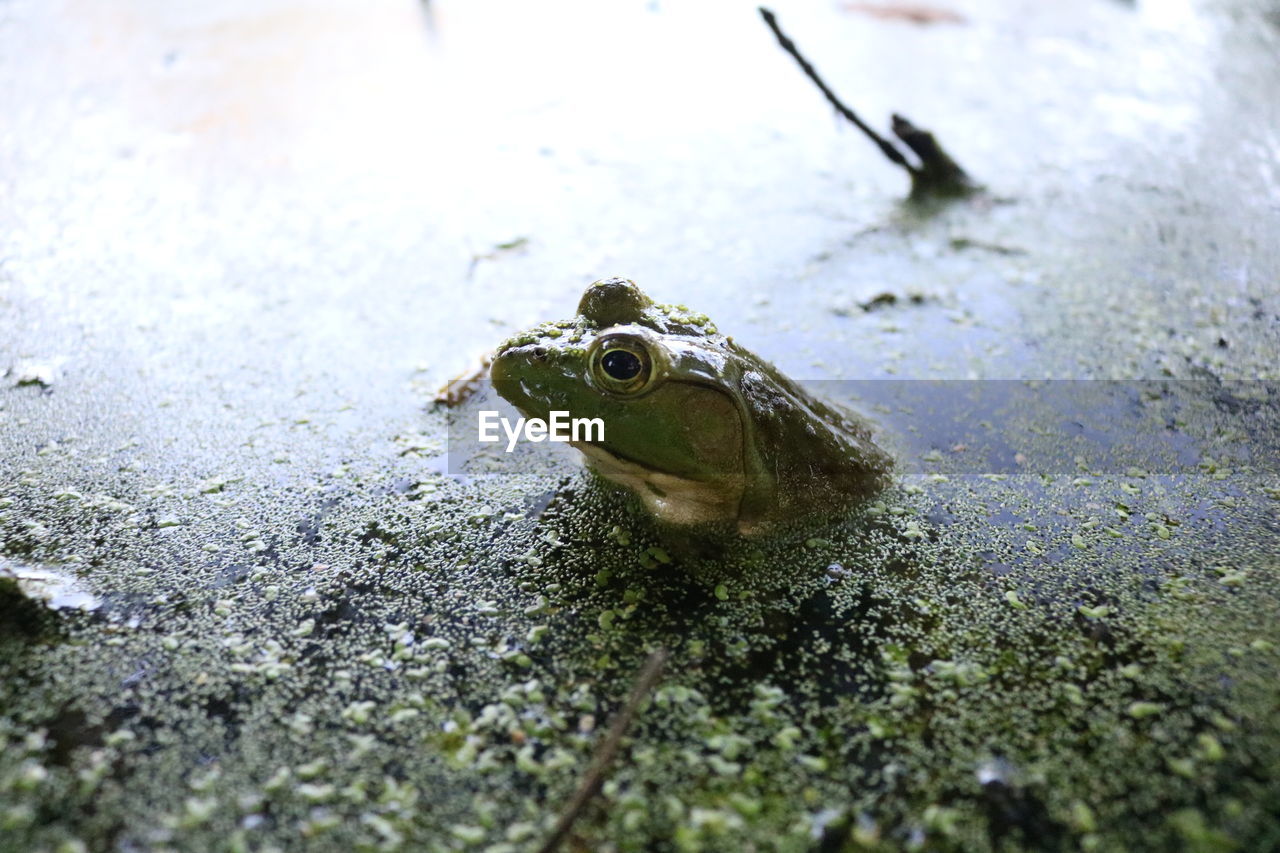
x=621, y=364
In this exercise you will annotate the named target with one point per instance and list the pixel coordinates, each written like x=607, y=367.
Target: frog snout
x=510, y=366
x=515, y=359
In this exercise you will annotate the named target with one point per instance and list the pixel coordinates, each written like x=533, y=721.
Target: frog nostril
x=538, y=353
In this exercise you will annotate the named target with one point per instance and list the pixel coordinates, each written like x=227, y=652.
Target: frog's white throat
x=670, y=498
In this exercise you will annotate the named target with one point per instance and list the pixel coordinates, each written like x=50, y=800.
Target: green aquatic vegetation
x=920, y=691
x=354, y=661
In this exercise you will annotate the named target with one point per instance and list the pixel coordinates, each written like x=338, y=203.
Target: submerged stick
x=790, y=47
x=937, y=174
x=608, y=750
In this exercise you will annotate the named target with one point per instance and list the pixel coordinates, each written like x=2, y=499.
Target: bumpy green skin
x=716, y=423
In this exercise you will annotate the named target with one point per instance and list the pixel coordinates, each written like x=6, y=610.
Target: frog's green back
x=807, y=456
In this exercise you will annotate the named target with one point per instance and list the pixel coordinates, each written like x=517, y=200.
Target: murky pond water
x=244, y=244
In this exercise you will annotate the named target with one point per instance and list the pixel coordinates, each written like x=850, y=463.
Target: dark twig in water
x=937, y=174
x=608, y=750
x=790, y=47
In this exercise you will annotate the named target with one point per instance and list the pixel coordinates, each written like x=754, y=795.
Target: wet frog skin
x=702, y=430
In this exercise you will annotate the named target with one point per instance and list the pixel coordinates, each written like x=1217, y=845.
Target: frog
x=703, y=431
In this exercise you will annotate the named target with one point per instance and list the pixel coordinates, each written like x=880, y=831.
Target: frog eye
x=621, y=365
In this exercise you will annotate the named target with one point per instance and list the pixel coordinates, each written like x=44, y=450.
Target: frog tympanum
x=702, y=430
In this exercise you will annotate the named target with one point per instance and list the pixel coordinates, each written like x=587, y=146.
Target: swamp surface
x=246, y=603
